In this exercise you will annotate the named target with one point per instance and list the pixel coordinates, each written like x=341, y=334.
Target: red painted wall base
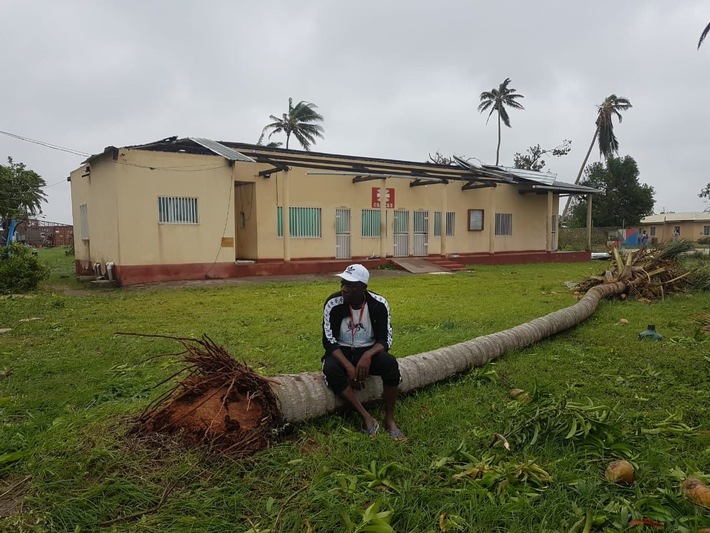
x=135, y=274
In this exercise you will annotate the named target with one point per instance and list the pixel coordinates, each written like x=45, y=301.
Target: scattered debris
x=5, y=330
x=649, y=273
x=32, y=319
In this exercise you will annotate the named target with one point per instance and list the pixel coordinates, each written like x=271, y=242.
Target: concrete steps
x=448, y=263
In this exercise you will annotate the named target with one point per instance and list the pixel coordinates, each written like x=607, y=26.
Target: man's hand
x=363, y=367
x=352, y=376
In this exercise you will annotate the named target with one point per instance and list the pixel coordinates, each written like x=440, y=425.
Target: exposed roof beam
x=269, y=171
x=471, y=185
x=574, y=190
x=418, y=182
x=367, y=177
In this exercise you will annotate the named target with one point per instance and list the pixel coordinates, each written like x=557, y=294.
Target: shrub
x=704, y=240
x=20, y=269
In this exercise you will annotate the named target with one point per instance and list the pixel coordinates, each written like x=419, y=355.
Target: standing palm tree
x=497, y=100
x=703, y=35
x=301, y=121
x=608, y=144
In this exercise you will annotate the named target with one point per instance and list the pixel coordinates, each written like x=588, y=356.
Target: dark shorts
x=383, y=364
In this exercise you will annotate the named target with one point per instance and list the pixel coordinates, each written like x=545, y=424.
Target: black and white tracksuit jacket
x=335, y=310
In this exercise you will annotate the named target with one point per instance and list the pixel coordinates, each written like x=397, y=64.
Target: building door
x=401, y=234
x=421, y=233
x=342, y=233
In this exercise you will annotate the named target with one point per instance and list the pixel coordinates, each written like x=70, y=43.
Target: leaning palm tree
x=227, y=406
x=603, y=133
x=703, y=35
x=497, y=100
x=301, y=121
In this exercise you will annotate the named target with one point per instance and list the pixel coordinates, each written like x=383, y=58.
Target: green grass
x=67, y=406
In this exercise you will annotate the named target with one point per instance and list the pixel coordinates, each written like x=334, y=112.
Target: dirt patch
x=12, y=495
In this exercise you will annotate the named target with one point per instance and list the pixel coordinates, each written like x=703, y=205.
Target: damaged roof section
x=473, y=175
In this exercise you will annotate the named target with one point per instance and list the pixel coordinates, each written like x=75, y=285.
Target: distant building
x=666, y=227
x=194, y=208
x=41, y=233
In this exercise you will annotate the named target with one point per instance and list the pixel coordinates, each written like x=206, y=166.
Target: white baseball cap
x=355, y=273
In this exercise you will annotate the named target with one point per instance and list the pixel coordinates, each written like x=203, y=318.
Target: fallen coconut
x=620, y=471
x=697, y=492
x=519, y=394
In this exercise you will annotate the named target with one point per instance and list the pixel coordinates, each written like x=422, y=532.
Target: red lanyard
x=352, y=320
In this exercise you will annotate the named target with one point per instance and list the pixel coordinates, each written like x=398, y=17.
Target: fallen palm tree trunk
x=305, y=396
x=227, y=406
x=222, y=403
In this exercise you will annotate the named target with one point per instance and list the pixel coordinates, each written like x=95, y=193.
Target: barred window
x=177, y=210
x=504, y=223
x=302, y=222
x=652, y=231
x=84, y=221
x=450, y=222
x=706, y=230
x=371, y=220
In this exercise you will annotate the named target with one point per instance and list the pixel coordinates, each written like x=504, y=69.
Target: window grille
x=450, y=223
x=652, y=231
x=303, y=222
x=177, y=210
x=84, y=220
x=504, y=224
x=371, y=221
x=706, y=230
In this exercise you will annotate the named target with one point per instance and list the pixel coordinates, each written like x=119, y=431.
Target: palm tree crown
x=300, y=121
x=497, y=100
x=611, y=106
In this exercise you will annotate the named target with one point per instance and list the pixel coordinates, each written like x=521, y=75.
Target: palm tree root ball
x=221, y=403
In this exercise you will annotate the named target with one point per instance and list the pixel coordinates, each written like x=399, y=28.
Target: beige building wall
x=329, y=192
x=97, y=191
x=143, y=177
x=689, y=230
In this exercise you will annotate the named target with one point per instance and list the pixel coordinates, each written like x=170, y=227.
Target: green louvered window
x=304, y=222
x=371, y=222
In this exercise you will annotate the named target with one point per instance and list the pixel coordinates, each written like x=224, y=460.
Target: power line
x=46, y=144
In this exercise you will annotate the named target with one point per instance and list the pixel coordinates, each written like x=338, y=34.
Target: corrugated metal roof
x=676, y=217
x=220, y=149
x=546, y=178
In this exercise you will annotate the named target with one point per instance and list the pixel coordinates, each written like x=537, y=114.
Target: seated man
x=356, y=336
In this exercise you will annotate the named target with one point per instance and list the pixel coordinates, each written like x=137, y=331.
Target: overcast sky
x=396, y=80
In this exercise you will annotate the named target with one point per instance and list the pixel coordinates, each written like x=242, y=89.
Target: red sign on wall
x=389, y=201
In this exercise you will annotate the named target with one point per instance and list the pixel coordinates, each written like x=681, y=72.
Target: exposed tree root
x=221, y=403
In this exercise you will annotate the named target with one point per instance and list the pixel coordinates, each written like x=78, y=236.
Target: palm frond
x=703, y=35
x=485, y=105
x=504, y=116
